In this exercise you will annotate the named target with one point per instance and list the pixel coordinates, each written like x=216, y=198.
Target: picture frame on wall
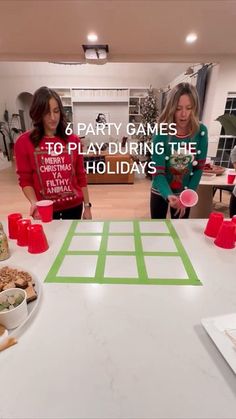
x=102, y=118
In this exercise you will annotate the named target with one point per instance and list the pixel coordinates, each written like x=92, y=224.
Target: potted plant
x=228, y=122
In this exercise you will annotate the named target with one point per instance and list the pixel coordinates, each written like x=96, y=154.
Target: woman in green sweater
x=179, y=165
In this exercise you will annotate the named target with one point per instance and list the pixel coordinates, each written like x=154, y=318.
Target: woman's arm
x=25, y=173
x=87, y=215
x=30, y=195
x=82, y=181
x=159, y=178
x=200, y=158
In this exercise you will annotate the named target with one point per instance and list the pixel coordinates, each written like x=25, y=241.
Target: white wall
x=207, y=118
x=225, y=83
x=222, y=80
x=16, y=78
x=19, y=77
x=87, y=112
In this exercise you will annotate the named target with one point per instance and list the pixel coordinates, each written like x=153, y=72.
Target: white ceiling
x=136, y=31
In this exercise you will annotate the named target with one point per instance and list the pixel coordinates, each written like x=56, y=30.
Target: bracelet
x=88, y=205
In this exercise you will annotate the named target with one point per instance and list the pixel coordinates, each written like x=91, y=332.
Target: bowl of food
x=13, y=307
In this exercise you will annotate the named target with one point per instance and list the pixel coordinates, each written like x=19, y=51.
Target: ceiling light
x=96, y=54
x=91, y=54
x=92, y=37
x=190, y=38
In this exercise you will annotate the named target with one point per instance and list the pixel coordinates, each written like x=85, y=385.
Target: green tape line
x=142, y=278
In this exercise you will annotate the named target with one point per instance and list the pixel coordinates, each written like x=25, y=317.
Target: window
x=226, y=143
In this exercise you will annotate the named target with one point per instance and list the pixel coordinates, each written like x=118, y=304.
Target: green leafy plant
x=228, y=122
x=149, y=114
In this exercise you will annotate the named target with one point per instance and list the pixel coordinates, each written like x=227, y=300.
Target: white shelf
x=130, y=97
x=99, y=99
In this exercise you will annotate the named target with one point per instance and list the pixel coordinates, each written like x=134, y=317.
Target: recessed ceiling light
x=92, y=37
x=190, y=38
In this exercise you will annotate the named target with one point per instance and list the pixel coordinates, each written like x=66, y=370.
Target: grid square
x=121, y=244
x=89, y=227
x=158, y=244
x=166, y=267
x=153, y=227
x=85, y=243
x=121, y=267
x=81, y=266
x=121, y=227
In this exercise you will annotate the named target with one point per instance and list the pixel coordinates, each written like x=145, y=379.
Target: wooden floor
x=109, y=201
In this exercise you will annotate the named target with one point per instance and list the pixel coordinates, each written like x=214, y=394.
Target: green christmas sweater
x=180, y=164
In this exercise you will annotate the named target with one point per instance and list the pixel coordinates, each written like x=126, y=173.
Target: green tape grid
x=102, y=253
x=52, y=274
x=182, y=252
x=143, y=278
x=99, y=274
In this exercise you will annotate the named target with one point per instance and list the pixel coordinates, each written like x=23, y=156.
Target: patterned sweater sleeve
x=159, y=178
x=80, y=170
x=200, y=157
x=23, y=164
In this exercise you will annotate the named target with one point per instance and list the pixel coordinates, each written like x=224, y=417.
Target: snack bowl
x=13, y=307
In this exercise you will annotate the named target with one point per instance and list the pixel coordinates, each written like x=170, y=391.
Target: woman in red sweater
x=47, y=175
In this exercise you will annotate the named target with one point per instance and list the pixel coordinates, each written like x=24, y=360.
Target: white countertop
x=220, y=180
x=123, y=351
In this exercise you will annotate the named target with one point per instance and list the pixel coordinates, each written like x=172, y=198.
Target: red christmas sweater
x=56, y=177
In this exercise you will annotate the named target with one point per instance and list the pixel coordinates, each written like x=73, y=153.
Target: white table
x=123, y=351
x=205, y=193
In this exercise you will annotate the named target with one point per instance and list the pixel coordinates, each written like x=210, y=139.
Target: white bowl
x=15, y=316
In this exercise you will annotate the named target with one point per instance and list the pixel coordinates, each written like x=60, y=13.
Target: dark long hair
x=39, y=108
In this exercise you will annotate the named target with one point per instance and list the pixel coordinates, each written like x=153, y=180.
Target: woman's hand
x=87, y=215
x=34, y=211
x=180, y=211
x=175, y=203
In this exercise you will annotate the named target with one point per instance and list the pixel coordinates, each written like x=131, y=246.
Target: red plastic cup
x=226, y=235
x=214, y=223
x=231, y=176
x=12, y=224
x=188, y=198
x=37, y=241
x=234, y=221
x=22, y=237
x=45, y=209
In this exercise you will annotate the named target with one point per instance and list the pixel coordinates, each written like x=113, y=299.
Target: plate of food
x=213, y=169
x=222, y=330
x=22, y=282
